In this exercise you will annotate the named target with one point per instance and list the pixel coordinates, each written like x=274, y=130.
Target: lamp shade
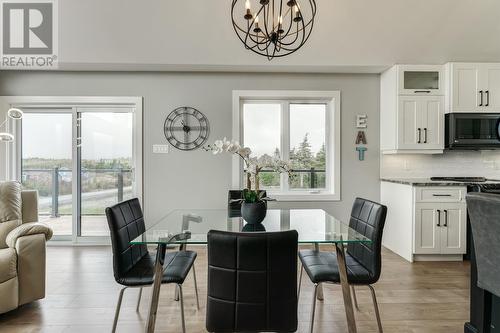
x=6, y=137
x=15, y=113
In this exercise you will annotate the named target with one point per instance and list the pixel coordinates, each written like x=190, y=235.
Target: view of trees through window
x=307, y=137
x=309, y=168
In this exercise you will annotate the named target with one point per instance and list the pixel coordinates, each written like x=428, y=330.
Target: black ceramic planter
x=254, y=212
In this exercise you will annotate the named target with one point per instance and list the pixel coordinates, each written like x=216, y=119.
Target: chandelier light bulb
x=247, y=4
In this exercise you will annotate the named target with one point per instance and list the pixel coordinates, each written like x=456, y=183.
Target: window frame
x=332, y=142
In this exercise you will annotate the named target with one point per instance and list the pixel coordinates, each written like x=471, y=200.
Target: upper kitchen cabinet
x=473, y=87
x=412, y=110
x=420, y=80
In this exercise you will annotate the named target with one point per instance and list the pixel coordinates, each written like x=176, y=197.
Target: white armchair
x=22, y=247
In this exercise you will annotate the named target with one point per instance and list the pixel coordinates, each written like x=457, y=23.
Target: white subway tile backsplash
x=451, y=163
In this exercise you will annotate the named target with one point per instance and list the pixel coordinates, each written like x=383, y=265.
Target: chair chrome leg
x=117, y=311
x=196, y=289
x=300, y=281
x=311, y=327
x=139, y=300
x=181, y=298
x=375, y=305
x=355, y=299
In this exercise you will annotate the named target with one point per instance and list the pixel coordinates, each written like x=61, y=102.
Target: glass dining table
x=190, y=226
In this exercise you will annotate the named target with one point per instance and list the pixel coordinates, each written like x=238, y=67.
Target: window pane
x=46, y=166
x=307, y=146
x=262, y=123
x=106, y=173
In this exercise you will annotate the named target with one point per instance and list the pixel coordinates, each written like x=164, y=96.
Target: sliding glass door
x=80, y=160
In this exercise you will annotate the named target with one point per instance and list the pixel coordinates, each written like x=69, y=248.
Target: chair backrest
x=126, y=222
x=368, y=218
x=484, y=211
x=252, y=282
x=10, y=209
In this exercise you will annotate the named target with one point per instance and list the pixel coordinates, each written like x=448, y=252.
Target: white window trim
x=333, y=139
x=75, y=102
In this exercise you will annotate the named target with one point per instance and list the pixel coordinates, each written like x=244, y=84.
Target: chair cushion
x=176, y=268
x=323, y=267
x=8, y=264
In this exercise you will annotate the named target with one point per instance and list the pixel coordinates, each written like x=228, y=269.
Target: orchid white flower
x=244, y=151
x=233, y=147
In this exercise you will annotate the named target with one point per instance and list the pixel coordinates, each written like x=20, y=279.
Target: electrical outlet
x=160, y=149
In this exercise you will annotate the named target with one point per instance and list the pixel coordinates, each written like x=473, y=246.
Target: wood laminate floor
x=429, y=297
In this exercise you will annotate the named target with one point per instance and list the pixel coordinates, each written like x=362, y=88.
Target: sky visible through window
x=262, y=126
x=104, y=135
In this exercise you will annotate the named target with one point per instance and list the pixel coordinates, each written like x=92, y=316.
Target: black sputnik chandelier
x=273, y=28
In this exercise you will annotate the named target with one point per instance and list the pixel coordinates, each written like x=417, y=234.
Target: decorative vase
x=254, y=212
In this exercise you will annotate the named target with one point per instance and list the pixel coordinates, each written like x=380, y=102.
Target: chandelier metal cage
x=275, y=28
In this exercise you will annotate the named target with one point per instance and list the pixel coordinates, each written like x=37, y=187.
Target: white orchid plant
x=253, y=165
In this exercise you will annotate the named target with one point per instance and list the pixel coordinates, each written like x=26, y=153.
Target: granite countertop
x=428, y=182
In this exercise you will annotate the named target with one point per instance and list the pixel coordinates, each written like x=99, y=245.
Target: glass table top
x=190, y=226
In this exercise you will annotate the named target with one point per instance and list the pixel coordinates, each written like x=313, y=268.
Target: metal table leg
x=182, y=247
x=349, y=310
x=160, y=259
x=319, y=293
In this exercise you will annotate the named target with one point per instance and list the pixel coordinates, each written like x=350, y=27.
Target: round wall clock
x=186, y=128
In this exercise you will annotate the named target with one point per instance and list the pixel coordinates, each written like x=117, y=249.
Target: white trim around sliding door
x=73, y=104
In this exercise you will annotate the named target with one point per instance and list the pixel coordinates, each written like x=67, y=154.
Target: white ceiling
x=348, y=36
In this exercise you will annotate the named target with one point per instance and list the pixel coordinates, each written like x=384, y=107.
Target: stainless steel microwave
x=475, y=131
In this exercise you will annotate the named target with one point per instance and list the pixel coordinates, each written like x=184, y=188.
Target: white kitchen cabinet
x=427, y=232
x=411, y=121
x=453, y=228
x=491, y=85
x=440, y=228
x=420, y=124
x=473, y=87
x=425, y=222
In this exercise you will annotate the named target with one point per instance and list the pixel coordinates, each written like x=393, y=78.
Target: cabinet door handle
x=481, y=103
x=439, y=218
x=441, y=195
x=419, y=135
x=445, y=218
x=425, y=135
x=422, y=91
x=487, y=98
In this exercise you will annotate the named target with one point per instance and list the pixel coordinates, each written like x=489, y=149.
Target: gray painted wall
x=198, y=179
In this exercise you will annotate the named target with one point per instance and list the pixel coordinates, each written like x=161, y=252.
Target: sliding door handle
x=481, y=103
x=445, y=218
x=487, y=98
x=425, y=135
x=439, y=218
x=419, y=135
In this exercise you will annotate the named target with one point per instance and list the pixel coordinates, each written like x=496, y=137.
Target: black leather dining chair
x=133, y=265
x=484, y=211
x=363, y=260
x=252, y=282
